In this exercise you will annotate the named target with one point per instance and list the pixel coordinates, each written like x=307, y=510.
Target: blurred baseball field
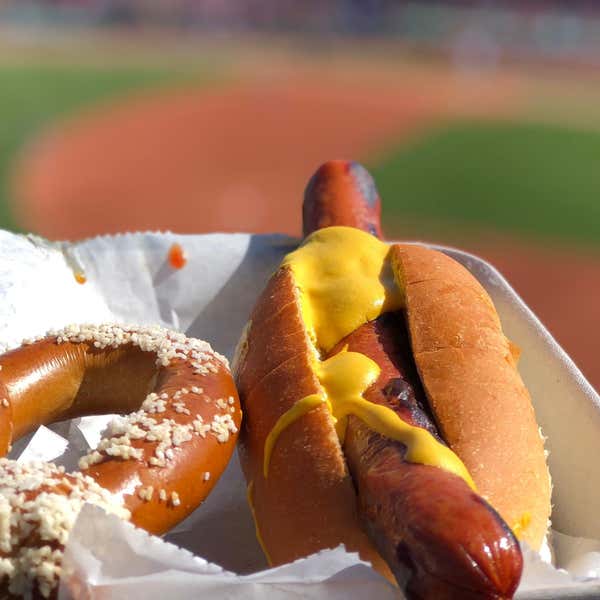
x=501, y=160
x=529, y=167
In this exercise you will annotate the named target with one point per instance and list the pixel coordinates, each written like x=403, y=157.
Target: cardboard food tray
x=129, y=280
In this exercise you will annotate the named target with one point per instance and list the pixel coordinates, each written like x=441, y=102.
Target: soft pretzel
x=154, y=465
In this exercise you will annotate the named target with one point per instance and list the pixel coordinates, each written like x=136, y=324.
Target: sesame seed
x=163, y=342
x=32, y=531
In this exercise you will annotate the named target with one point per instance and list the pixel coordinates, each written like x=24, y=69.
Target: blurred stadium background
x=479, y=120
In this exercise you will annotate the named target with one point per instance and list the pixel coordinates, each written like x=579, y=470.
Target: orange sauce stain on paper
x=177, y=256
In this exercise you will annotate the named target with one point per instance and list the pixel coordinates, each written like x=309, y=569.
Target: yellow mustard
x=344, y=378
x=345, y=279
x=521, y=525
x=250, y=500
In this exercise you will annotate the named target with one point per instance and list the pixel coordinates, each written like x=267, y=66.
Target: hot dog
x=344, y=436
x=421, y=517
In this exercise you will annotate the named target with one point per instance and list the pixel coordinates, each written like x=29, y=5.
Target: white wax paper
x=127, y=563
x=129, y=280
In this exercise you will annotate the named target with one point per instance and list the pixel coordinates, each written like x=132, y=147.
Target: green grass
x=531, y=180
x=31, y=97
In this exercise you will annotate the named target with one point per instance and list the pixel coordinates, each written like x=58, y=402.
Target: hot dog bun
x=474, y=388
x=470, y=377
x=308, y=501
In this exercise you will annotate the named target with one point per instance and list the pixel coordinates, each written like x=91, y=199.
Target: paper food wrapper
x=214, y=553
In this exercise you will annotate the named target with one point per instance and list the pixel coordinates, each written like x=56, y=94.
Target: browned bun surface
x=308, y=501
x=469, y=374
